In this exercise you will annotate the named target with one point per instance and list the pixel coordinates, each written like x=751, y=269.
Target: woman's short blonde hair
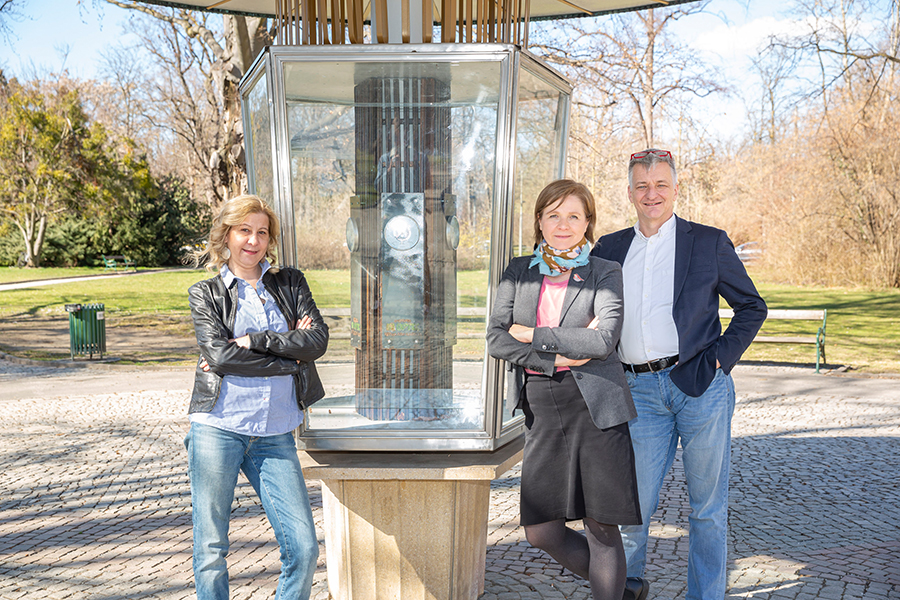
x=233, y=213
x=560, y=190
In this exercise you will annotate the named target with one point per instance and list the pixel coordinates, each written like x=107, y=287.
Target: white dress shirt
x=648, y=331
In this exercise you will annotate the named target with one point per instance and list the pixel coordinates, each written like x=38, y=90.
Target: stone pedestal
x=400, y=526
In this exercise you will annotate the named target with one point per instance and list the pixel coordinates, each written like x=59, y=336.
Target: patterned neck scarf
x=551, y=261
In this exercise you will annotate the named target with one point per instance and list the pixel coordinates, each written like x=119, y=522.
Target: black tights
x=597, y=556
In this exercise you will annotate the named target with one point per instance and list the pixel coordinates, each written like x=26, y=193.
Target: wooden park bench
x=116, y=262
x=792, y=315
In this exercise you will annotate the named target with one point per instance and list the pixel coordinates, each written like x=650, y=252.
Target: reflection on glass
x=392, y=178
x=453, y=232
x=352, y=235
x=539, y=137
x=260, y=138
x=540, y=126
x=401, y=232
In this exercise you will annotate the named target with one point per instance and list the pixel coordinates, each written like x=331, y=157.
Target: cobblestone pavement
x=95, y=504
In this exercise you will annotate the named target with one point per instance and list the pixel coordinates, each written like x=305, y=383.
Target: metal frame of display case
x=513, y=60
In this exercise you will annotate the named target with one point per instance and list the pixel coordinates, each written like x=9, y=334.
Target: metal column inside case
x=395, y=171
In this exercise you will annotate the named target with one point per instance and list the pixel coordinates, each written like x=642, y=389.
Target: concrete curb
x=30, y=362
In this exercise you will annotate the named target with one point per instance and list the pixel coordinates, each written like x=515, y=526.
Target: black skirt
x=571, y=468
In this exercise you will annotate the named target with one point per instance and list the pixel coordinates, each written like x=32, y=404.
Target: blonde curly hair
x=233, y=213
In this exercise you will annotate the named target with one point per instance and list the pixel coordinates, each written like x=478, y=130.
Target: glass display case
x=405, y=177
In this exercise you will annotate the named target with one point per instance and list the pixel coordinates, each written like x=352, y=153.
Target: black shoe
x=636, y=589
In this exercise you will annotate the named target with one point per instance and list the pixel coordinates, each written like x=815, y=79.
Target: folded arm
x=599, y=338
x=502, y=343
x=220, y=351
x=306, y=343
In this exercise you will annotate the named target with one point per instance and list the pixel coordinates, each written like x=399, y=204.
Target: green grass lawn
x=863, y=328
x=144, y=294
x=863, y=325
x=153, y=293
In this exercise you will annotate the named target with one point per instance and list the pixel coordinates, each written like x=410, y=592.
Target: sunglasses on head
x=646, y=153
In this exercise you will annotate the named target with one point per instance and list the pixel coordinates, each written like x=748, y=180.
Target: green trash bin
x=87, y=329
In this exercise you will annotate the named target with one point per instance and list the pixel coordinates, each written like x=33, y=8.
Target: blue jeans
x=271, y=465
x=665, y=415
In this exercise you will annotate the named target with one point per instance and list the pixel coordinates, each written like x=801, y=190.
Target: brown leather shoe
x=636, y=589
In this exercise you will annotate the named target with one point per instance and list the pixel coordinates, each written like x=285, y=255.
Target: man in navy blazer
x=677, y=362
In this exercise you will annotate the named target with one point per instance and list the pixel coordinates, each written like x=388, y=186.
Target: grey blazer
x=594, y=290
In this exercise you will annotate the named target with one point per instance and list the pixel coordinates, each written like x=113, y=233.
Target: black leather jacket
x=213, y=309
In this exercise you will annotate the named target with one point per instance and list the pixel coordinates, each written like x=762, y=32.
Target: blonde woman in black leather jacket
x=259, y=332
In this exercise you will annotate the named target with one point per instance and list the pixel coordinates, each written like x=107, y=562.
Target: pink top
x=550, y=304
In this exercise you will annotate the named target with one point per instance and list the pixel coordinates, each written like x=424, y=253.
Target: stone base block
x=398, y=540
x=407, y=526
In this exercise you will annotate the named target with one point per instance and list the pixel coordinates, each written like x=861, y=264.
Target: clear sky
x=53, y=26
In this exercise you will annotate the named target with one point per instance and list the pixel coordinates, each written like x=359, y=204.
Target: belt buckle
x=652, y=362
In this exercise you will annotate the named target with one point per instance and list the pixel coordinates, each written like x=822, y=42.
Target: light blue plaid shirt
x=255, y=406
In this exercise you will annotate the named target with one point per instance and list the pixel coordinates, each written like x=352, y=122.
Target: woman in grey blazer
x=556, y=321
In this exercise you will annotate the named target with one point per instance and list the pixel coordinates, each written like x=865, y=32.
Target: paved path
x=21, y=285
x=94, y=502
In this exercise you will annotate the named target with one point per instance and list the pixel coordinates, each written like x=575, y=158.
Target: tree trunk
x=242, y=40
x=34, y=240
x=245, y=37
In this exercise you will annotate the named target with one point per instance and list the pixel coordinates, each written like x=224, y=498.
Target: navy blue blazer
x=706, y=267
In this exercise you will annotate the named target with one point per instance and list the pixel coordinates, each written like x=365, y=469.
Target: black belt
x=653, y=365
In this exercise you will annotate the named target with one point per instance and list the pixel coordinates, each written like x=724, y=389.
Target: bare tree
x=857, y=123
x=205, y=63
x=120, y=97
x=632, y=60
x=9, y=11
x=182, y=106
x=776, y=66
x=819, y=178
x=844, y=41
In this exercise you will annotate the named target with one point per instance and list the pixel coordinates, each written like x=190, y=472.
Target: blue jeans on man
x=215, y=457
x=703, y=424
